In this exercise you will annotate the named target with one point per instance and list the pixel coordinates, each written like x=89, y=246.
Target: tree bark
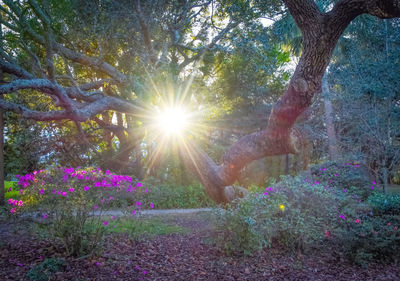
x=330, y=127
x=321, y=32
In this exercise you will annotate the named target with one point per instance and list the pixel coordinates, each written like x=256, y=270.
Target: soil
x=188, y=256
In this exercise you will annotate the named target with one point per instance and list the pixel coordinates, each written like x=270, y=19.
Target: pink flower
x=374, y=182
x=139, y=184
x=10, y=201
x=44, y=215
x=357, y=221
x=42, y=191
x=147, y=190
x=95, y=207
x=133, y=212
x=327, y=234
x=55, y=191
x=138, y=203
x=20, y=203
x=10, y=188
x=342, y=216
x=86, y=188
x=13, y=210
x=372, y=187
x=389, y=224
x=71, y=189
x=105, y=223
x=64, y=194
x=151, y=205
x=111, y=198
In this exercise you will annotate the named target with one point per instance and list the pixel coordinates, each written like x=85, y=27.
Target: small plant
x=44, y=270
x=73, y=199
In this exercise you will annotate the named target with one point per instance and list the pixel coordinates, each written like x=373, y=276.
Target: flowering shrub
x=294, y=214
x=300, y=212
x=371, y=238
x=73, y=200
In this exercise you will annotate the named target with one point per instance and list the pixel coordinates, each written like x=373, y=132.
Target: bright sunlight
x=173, y=121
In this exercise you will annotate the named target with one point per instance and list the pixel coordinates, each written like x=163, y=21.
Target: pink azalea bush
x=73, y=200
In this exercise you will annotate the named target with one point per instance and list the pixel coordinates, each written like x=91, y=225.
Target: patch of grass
x=148, y=227
x=45, y=270
x=8, y=184
x=14, y=193
x=170, y=197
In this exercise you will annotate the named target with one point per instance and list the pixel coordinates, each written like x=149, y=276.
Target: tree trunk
x=1, y=152
x=321, y=32
x=330, y=127
x=2, y=199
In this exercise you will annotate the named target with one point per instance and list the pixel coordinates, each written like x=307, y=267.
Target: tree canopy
x=95, y=74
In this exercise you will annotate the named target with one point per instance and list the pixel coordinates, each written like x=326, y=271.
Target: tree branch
x=305, y=13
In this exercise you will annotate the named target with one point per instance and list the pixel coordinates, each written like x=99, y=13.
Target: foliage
x=173, y=197
x=350, y=176
x=294, y=214
x=45, y=270
x=371, y=239
x=71, y=199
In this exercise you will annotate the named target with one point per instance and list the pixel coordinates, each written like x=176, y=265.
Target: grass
x=171, y=197
x=142, y=228
x=13, y=193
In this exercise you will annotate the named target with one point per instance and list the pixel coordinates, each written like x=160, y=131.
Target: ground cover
x=174, y=255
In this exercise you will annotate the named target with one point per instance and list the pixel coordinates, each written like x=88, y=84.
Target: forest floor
x=189, y=255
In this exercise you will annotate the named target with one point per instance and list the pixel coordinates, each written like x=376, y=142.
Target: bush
x=372, y=235
x=46, y=269
x=344, y=176
x=172, y=197
x=372, y=238
x=384, y=204
x=73, y=200
x=294, y=214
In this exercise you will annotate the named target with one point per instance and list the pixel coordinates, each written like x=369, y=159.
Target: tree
x=368, y=112
x=80, y=102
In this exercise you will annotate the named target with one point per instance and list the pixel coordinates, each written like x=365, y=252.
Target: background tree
x=86, y=60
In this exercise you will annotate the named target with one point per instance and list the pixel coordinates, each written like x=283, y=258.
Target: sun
x=173, y=121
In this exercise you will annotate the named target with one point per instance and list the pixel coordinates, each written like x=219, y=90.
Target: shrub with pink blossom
x=73, y=202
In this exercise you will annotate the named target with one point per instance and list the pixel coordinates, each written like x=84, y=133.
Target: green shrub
x=294, y=214
x=73, y=200
x=373, y=238
x=384, y=204
x=46, y=269
x=344, y=176
x=171, y=197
